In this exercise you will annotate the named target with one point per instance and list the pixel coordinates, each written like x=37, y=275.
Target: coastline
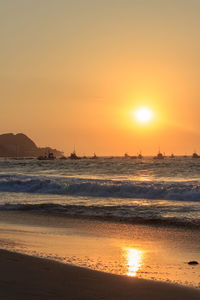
x=27, y=277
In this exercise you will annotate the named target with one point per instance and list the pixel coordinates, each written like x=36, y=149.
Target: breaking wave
x=163, y=190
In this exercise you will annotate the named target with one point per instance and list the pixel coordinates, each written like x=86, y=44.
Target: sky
x=74, y=72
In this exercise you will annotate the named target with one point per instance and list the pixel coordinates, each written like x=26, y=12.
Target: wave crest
x=186, y=191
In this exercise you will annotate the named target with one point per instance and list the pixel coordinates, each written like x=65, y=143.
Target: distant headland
x=20, y=145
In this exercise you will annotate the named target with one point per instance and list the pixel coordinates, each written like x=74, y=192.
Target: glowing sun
x=143, y=115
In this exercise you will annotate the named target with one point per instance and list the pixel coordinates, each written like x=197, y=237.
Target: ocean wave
x=124, y=214
x=163, y=190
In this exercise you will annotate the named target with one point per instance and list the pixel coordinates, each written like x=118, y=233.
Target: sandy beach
x=26, y=277
x=146, y=252
x=75, y=259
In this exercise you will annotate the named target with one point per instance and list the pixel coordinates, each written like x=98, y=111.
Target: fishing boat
x=50, y=156
x=73, y=155
x=195, y=155
x=94, y=156
x=159, y=156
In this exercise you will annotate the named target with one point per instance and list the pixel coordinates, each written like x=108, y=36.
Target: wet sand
x=25, y=277
x=146, y=252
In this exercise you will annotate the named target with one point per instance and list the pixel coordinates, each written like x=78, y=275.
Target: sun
x=143, y=115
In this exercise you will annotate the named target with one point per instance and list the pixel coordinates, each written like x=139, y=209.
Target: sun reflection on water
x=134, y=260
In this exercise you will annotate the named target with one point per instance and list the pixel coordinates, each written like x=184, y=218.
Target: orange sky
x=72, y=72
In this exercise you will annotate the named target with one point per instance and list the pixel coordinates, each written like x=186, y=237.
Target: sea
x=107, y=188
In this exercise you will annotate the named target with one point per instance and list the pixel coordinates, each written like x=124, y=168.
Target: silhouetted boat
x=94, y=156
x=130, y=156
x=140, y=156
x=73, y=155
x=50, y=156
x=159, y=156
x=195, y=155
x=172, y=156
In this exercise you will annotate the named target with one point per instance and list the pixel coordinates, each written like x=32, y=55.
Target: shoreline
x=162, y=223
x=152, y=253
x=27, y=277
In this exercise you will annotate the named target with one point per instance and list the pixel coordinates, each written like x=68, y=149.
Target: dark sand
x=26, y=277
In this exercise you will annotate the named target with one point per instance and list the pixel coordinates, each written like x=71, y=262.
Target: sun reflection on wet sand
x=134, y=260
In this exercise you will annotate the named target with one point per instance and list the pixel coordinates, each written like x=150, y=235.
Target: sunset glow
x=105, y=86
x=143, y=115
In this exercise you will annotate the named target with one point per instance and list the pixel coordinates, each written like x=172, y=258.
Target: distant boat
x=159, y=156
x=195, y=155
x=172, y=156
x=73, y=155
x=50, y=156
x=133, y=156
x=94, y=156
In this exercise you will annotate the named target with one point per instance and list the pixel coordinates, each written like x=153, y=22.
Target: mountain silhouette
x=20, y=145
